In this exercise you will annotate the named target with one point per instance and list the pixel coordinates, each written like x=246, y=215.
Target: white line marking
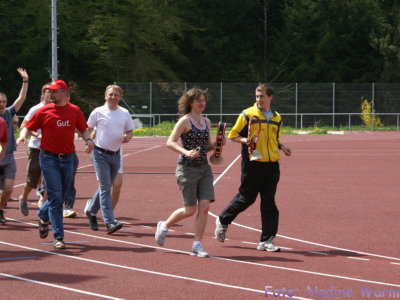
x=59, y=286
x=320, y=253
x=393, y=263
x=145, y=226
x=295, y=239
x=216, y=257
x=252, y=243
x=129, y=154
x=358, y=258
x=138, y=269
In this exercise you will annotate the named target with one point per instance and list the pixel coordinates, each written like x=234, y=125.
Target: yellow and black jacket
x=269, y=135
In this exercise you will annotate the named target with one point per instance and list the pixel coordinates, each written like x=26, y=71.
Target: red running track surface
x=338, y=201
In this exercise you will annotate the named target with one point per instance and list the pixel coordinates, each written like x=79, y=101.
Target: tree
x=328, y=41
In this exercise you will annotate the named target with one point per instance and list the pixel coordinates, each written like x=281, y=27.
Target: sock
x=164, y=226
x=196, y=243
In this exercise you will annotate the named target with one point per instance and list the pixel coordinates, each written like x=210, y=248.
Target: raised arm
x=24, y=89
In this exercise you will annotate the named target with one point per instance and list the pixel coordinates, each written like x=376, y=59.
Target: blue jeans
x=57, y=173
x=70, y=199
x=106, y=166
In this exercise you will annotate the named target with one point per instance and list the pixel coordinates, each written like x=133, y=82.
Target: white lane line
x=295, y=239
x=315, y=244
x=216, y=257
x=128, y=154
x=358, y=258
x=59, y=286
x=393, y=263
x=145, y=226
x=139, y=270
x=319, y=253
x=252, y=243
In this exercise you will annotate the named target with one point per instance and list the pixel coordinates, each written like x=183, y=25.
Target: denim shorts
x=195, y=183
x=8, y=166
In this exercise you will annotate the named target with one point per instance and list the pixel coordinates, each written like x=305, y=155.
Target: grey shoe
x=161, y=232
x=23, y=206
x=268, y=245
x=199, y=251
x=220, y=230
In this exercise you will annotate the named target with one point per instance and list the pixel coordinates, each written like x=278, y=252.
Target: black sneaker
x=2, y=218
x=92, y=221
x=113, y=227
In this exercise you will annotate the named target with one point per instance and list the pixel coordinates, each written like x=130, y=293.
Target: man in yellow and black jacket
x=260, y=167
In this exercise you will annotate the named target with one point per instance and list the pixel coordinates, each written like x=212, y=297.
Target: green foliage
x=106, y=41
x=328, y=41
x=367, y=109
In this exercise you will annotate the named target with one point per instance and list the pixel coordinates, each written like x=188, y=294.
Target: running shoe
x=23, y=206
x=199, y=251
x=161, y=232
x=59, y=244
x=69, y=213
x=268, y=245
x=220, y=230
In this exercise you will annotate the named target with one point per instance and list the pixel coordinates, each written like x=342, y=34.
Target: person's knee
x=8, y=185
x=204, y=206
x=190, y=210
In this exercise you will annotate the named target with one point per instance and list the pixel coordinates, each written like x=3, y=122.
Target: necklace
x=199, y=122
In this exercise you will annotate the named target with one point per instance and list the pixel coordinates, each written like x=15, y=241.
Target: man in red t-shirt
x=57, y=121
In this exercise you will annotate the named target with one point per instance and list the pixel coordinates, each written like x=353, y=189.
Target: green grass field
x=165, y=128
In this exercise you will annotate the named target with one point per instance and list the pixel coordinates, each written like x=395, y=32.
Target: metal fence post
x=295, y=103
x=333, y=105
x=373, y=105
x=220, y=102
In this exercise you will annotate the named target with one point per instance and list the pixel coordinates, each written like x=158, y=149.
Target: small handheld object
x=253, y=152
x=216, y=158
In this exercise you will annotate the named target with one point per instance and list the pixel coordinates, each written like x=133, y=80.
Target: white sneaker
x=161, y=232
x=268, y=245
x=220, y=230
x=199, y=251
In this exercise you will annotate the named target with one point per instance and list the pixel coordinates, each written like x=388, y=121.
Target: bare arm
x=172, y=142
x=287, y=151
x=23, y=135
x=128, y=136
x=3, y=150
x=86, y=137
x=24, y=89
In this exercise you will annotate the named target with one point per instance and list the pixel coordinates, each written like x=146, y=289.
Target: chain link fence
x=301, y=104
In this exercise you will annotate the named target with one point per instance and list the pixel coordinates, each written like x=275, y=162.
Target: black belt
x=195, y=164
x=58, y=155
x=107, y=151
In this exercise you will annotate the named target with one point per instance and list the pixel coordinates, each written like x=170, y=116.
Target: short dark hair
x=265, y=88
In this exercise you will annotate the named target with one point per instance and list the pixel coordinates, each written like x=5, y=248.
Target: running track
x=338, y=198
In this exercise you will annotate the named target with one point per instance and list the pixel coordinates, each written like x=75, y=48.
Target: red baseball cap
x=57, y=85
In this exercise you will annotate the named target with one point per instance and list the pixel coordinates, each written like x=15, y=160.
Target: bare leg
x=27, y=190
x=201, y=219
x=180, y=214
x=6, y=194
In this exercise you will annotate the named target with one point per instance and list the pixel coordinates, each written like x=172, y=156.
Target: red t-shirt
x=58, y=125
x=3, y=131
